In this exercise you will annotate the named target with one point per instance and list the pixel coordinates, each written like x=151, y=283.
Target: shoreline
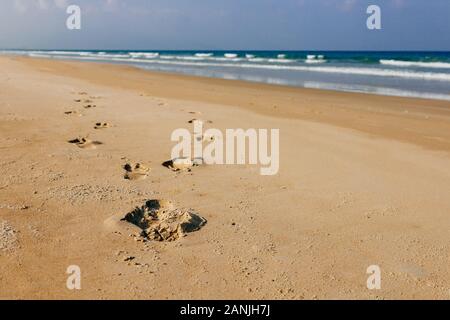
x=342, y=109
x=385, y=73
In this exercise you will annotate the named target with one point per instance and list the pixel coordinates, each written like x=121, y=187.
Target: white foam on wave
x=101, y=56
x=189, y=58
x=204, y=55
x=230, y=55
x=69, y=53
x=335, y=70
x=381, y=73
x=401, y=63
x=257, y=59
x=148, y=55
x=63, y=53
x=341, y=70
x=328, y=69
x=226, y=59
x=280, y=60
x=375, y=90
x=37, y=55
x=107, y=55
x=313, y=59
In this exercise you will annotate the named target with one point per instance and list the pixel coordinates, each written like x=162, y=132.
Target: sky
x=226, y=24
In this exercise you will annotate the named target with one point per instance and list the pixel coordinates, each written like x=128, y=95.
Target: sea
x=404, y=74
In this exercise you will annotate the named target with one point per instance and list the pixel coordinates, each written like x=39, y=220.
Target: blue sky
x=226, y=24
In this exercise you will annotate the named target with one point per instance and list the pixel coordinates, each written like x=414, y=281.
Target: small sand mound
x=102, y=125
x=181, y=164
x=8, y=237
x=136, y=171
x=85, y=143
x=161, y=221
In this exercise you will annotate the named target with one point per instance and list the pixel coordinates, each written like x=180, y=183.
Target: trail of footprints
x=159, y=220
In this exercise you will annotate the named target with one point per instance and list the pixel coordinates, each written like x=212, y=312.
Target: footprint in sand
x=136, y=171
x=182, y=164
x=161, y=220
x=102, y=125
x=85, y=143
x=73, y=113
x=90, y=106
x=199, y=120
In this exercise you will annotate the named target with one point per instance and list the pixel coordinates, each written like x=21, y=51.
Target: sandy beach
x=364, y=180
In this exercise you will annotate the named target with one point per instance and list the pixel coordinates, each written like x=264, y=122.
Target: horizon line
x=238, y=50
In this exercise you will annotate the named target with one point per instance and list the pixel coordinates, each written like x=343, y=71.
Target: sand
x=363, y=181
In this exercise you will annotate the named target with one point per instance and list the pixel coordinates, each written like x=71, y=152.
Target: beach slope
x=363, y=181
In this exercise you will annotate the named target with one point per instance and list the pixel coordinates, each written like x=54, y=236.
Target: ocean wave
x=334, y=70
x=230, y=55
x=196, y=61
x=188, y=58
x=69, y=53
x=401, y=63
x=375, y=78
x=375, y=90
x=150, y=55
x=257, y=59
x=280, y=60
x=106, y=55
x=313, y=59
x=204, y=55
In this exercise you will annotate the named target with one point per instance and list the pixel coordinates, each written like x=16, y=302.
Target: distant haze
x=226, y=24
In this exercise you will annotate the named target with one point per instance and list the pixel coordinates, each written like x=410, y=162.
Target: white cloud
x=348, y=4
x=61, y=3
x=22, y=6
